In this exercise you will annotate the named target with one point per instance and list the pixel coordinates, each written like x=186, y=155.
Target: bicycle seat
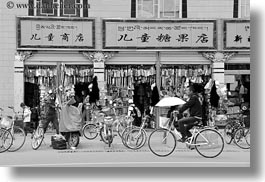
x=10, y=107
x=1, y=109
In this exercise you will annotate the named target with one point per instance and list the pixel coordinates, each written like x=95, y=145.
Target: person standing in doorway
x=26, y=118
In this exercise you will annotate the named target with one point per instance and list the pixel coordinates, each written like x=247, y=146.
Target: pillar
x=218, y=64
x=20, y=57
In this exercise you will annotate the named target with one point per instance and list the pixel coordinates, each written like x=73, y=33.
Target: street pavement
x=97, y=154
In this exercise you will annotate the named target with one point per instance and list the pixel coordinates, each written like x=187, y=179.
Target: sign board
x=159, y=34
x=237, y=34
x=69, y=33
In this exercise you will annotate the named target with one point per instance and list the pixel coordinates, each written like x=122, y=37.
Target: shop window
x=237, y=66
x=59, y=8
x=158, y=8
x=245, y=8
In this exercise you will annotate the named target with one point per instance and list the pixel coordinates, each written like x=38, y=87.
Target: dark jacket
x=194, y=105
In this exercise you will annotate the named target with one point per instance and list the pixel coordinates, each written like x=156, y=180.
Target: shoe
x=182, y=139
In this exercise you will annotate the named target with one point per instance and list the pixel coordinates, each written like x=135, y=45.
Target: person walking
x=51, y=113
x=26, y=119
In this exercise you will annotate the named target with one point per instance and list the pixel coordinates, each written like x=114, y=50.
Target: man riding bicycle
x=195, y=106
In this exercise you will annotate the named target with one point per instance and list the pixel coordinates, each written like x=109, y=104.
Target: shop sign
x=159, y=34
x=51, y=33
x=237, y=34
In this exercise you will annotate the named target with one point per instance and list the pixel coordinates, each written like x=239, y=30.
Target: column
x=158, y=84
x=218, y=64
x=20, y=57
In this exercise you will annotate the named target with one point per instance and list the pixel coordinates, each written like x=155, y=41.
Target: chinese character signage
x=159, y=34
x=237, y=34
x=51, y=33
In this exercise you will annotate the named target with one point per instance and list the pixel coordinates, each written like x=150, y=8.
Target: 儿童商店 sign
x=237, y=34
x=159, y=34
x=51, y=33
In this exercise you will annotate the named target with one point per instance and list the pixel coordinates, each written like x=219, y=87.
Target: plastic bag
x=163, y=122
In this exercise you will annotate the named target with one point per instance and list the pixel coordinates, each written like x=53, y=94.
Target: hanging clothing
x=155, y=96
x=214, y=97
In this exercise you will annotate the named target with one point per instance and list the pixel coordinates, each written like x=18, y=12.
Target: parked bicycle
x=38, y=134
x=236, y=130
x=137, y=136
x=92, y=128
x=207, y=141
x=17, y=132
x=6, y=139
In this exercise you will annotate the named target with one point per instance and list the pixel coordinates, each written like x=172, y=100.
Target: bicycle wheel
x=103, y=136
x=19, y=138
x=90, y=131
x=124, y=133
x=162, y=142
x=6, y=140
x=209, y=143
x=37, y=138
x=242, y=138
x=109, y=137
x=136, y=138
x=121, y=127
x=74, y=139
x=247, y=136
x=228, y=133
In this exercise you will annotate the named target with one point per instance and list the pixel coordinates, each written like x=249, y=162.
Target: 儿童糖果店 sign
x=159, y=34
x=50, y=33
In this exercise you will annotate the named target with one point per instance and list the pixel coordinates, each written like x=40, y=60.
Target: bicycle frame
x=195, y=132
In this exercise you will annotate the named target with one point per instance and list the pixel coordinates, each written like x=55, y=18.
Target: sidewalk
x=96, y=145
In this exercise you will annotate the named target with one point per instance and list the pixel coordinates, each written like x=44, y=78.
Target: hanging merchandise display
x=41, y=75
x=46, y=78
x=74, y=74
x=174, y=78
x=130, y=81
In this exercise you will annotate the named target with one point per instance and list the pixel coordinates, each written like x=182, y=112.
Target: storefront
x=160, y=53
x=136, y=56
x=237, y=69
x=52, y=49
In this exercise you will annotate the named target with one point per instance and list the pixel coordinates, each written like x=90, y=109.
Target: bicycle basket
x=6, y=122
x=108, y=120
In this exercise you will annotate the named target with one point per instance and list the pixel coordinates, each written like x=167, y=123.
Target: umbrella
x=170, y=101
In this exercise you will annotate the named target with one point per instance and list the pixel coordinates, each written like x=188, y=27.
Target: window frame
x=60, y=12
x=159, y=13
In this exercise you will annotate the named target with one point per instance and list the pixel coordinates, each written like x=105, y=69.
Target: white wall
x=7, y=51
x=210, y=8
x=110, y=8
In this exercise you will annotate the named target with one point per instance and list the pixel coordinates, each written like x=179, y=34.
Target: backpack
x=137, y=111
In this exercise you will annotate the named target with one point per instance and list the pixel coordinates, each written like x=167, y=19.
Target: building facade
x=105, y=45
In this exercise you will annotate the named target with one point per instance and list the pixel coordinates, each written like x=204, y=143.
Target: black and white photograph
x=126, y=83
